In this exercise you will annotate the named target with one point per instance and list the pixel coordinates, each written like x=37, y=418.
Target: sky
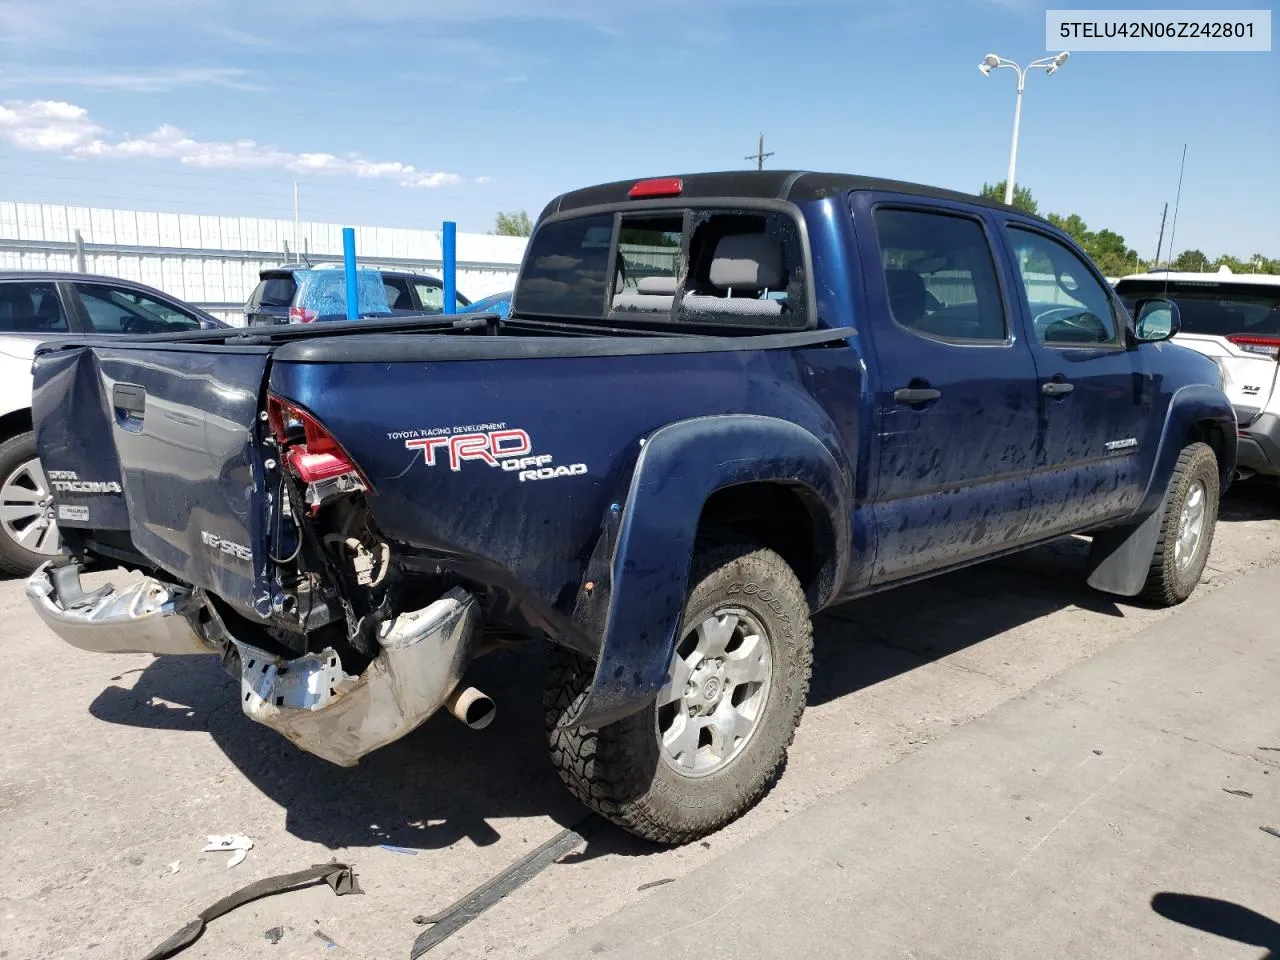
x=411, y=112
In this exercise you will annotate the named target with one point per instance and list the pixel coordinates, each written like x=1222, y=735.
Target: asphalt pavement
x=1128, y=807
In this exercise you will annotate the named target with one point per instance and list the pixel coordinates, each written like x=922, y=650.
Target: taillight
x=302, y=315
x=1267, y=346
x=310, y=451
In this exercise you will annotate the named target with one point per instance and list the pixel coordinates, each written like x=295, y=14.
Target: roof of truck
x=794, y=185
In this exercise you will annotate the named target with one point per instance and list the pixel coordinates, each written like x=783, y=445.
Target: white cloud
x=139, y=81
x=51, y=126
x=46, y=125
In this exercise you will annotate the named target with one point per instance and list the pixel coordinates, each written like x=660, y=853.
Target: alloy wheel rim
x=26, y=510
x=716, y=693
x=1190, y=526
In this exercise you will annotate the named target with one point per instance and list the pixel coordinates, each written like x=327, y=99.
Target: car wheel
x=28, y=532
x=717, y=735
x=1186, y=530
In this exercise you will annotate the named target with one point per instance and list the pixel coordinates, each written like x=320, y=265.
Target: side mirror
x=1156, y=320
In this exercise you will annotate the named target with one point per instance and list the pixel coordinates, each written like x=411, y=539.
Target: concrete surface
x=1089, y=817
x=112, y=768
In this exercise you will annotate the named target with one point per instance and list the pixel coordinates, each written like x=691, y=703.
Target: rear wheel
x=28, y=532
x=1186, y=530
x=717, y=734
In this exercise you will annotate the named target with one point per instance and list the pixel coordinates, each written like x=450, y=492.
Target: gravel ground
x=112, y=769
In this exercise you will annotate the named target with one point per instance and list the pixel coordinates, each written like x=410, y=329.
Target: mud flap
x=1120, y=557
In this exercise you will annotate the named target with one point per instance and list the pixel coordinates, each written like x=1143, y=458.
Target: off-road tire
x=1166, y=585
x=618, y=771
x=16, y=560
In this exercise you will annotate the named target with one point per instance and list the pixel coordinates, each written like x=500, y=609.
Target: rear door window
x=940, y=275
x=31, y=308
x=398, y=295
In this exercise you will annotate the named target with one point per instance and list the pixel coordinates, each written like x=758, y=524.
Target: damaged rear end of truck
x=251, y=527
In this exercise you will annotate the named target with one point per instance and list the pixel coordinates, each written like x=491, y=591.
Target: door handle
x=1057, y=388
x=914, y=395
x=129, y=399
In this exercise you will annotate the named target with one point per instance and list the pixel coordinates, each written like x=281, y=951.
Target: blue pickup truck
x=719, y=404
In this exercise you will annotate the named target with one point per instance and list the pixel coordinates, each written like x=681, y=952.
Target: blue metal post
x=450, y=266
x=349, y=263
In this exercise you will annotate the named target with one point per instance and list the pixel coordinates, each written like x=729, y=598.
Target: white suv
x=1234, y=319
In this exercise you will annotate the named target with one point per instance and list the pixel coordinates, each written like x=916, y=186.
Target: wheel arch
x=694, y=479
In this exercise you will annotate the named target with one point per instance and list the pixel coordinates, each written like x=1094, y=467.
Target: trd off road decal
x=495, y=444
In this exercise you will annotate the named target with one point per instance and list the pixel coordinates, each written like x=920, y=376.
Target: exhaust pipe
x=472, y=707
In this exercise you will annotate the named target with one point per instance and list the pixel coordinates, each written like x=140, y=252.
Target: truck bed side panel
x=513, y=465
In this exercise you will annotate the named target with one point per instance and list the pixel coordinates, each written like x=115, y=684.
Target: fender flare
x=679, y=468
x=1120, y=557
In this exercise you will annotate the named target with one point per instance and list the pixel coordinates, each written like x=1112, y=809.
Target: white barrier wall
x=214, y=261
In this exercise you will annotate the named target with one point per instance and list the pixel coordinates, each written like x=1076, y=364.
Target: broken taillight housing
x=302, y=315
x=311, y=453
x=1267, y=346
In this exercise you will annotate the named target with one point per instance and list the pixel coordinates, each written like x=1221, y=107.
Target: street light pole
x=993, y=62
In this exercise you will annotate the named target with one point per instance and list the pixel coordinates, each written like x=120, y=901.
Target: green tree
x=1234, y=264
x=1191, y=261
x=1022, y=199
x=513, y=224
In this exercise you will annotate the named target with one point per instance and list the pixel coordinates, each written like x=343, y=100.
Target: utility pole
x=297, y=244
x=1160, y=242
x=759, y=156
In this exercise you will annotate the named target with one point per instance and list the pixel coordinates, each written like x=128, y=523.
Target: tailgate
x=159, y=442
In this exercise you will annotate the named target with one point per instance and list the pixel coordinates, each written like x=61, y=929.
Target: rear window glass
x=324, y=293
x=275, y=292
x=1212, y=309
x=699, y=266
x=564, y=273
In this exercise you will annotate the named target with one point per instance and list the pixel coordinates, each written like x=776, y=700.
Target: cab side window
x=1068, y=306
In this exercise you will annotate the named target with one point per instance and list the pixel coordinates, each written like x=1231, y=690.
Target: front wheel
x=717, y=734
x=28, y=533
x=1186, y=530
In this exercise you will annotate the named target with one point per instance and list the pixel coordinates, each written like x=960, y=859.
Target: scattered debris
x=236, y=842
x=1272, y=749
x=329, y=942
x=1271, y=830
x=407, y=851
x=655, y=883
x=1097, y=753
x=461, y=912
x=1238, y=793
x=706, y=845
x=275, y=934
x=340, y=877
x=173, y=867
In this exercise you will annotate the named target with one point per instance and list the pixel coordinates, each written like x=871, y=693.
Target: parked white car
x=35, y=307
x=1233, y=318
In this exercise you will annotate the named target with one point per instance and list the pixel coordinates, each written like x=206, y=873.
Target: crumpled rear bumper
x=309, y=699
x=146, y=617
x=325, y=711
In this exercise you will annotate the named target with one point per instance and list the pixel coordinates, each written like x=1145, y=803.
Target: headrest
x=906, y=295
x=750, y=260
x=661, y=286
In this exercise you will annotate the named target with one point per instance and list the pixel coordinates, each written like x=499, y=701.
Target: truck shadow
x=1255, y=499
x=445, y=783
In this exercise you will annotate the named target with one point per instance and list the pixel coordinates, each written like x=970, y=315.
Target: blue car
x=499, y=303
